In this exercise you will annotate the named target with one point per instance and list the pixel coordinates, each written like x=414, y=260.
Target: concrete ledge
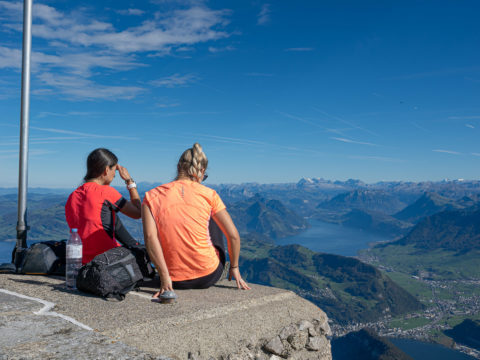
x=213, y=322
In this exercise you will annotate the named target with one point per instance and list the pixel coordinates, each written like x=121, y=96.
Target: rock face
x=303, y=340
x=220, y=323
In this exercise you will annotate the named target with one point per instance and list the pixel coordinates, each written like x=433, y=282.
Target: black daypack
x=111, y=274
x=143, y=261
x=44, y=258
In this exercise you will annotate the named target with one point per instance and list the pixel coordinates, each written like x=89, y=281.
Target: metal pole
x=22, y=227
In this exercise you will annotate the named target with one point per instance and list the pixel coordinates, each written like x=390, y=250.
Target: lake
x=332, y=239
x=422, y=350
x=341, y=240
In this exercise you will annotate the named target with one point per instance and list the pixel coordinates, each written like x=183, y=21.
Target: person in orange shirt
x=184, y=244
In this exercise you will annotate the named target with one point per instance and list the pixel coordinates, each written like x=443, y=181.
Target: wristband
x=233, y=267
x=128, y=180
x=132, y=186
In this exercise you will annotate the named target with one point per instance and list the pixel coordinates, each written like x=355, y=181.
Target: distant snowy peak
x=322, y=183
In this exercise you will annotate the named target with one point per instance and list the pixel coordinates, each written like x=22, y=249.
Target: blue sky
x=274, y=91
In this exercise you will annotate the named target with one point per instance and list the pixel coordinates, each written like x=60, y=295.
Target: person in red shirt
x=184, y=244
x=92, y=207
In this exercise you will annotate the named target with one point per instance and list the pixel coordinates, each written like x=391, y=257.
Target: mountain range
x=267, y=217
x=345, y=288
x=432, y=203
x=362, y=199
x=457, y=230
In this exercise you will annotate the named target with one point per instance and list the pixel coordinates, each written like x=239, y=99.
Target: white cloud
x=76, y=87
x=134, y=12
x=78, y=63
x=175, y=80
x=263, y=17
x=78, y=43
x=476, y=154
x=182, y=27
x=447, y=152
x=10, y=58
x=213, y=49
x=470, y=126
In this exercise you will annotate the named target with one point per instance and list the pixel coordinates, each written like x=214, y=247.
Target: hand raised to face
x=123, y=172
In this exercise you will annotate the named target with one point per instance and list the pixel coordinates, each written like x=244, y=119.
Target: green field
x=407, y=324
x=438, y=264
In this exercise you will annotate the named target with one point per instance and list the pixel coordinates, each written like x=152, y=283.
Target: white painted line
x=46, y=309
x=141, y=295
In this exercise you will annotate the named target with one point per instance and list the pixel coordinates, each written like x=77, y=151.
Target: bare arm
x=154, y=249
x=132, y=208
x=225, y=222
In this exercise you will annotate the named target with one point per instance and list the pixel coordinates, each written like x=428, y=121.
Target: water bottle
x=74, y=259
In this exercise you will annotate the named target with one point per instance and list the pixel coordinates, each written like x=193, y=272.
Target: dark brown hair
x=97, y=161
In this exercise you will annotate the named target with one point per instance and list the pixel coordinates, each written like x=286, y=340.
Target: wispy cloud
x=471, y=117
x=300, y=49
x=350, y=141
x=214, y=49
x=447, y=151
x=435, y=73
x=167, y=105
x=175, y=80
x=79, y=43
x=476, y=154
x=419, y=126
x=178, y=27
x=77, y=87
x=376, y=158
x=343, y=121
x=82, y=134
x=470, y=126
x=13, y=154
x=233, y=140
x=298, y=118
x=263, y=16
x=134, y=12
x=256, y=143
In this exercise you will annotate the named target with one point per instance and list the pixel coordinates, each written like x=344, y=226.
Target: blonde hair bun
x=192, y=162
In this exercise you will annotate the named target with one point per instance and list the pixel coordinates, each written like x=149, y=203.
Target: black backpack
x=44, y=258
x=111, y=274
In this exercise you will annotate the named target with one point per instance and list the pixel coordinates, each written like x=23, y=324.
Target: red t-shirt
x=91, y=209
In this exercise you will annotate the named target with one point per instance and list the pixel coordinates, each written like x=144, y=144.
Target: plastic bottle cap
x=74, y=230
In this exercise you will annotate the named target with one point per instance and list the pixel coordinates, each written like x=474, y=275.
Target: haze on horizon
x=274, y=91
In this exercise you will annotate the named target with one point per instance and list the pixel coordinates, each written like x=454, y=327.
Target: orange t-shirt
x=182, y=210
